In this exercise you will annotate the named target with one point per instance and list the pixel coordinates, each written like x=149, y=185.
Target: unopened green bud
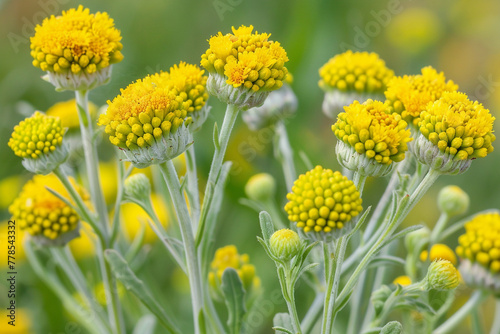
x=453, y=201
x=284, y=244
x=260, y=187
x=137, y=187
x=392, y=327
x=442, y=275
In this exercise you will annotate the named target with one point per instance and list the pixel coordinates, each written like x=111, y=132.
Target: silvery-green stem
x=335, y=260
x=192, y=186
x=438, y=229
x=402, y=212
x=76, y=278
x=449, y=325
x=287, y=283
x=359, y=181
x=52, y=281
x=495, y=327
x=110, y=291
x=313, y=313
x=193, y=266
x=220, y=149
x=83, y=211
x=285, y=155
x=91, y=160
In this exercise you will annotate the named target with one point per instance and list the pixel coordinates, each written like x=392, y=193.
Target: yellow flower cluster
x=410, y=94
x=246, y=59
x=76, y=42
x=322, y=200
x=67, y=112
x=481, y=241
x=228, y=257
x=439, y=252
x=144, y=112
x=355, y=71
x=36, y=135
x=188, y=82
x=372, y=130
x=458, y=126
x=40, y=212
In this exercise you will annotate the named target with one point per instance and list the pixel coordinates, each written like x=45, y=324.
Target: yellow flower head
x=372, y=130
x=355, y=71
x=402, y=280
x=76, y=42
x=323, y=201
x=410, y=94
x=188, y=82
x=481, y=242
x=40, y=212
x=458, y=126
x=228, y=257
x=143, y=113
x=246, y=59
x=37, y=135
x=67, y=112
x=439, y=252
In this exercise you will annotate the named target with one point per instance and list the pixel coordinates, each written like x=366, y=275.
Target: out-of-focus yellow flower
x=148, y=121
x=458, y=126
x=402, y=280
x=43, y=214
x=133, y=217
x=414, y=30
x=9, y=188
x=439, y=252
x=82, y=246
x=323, y=201
x=100, y=292
x=109, y=180
x=68, y=113
x=16, y=239
x=76, y=42
x=481, y=241
x=410, y=94
x=355, y=71
x=23, y=322
x=228, y=257
x=370, y=129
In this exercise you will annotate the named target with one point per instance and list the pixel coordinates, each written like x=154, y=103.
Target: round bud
x=260, y=187
x=137, y=187
x=442, y=275
x=453, y=201
x=284, y=244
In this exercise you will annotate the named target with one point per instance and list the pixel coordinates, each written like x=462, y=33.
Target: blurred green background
x=458, y=37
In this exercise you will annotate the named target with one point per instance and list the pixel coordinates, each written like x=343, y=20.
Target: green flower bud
x=260, y=187
x=392, y=327
x=453, y=201
x=442, y=275
x=137, y=187
x=284, y=244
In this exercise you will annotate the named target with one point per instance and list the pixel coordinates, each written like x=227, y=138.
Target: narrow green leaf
x=266, y=225
x=216, y=137
x=122, y=272
x=281, y=329
x=234, y=296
